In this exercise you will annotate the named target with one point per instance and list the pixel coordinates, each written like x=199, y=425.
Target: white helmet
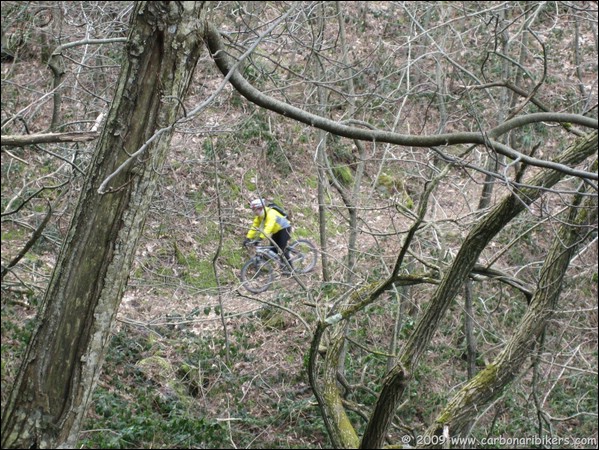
x=257, y=203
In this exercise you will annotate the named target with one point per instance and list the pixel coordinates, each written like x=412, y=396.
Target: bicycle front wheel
x=257, y=275
x=303, y=255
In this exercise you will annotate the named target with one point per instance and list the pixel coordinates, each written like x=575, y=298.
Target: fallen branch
x=47, y=138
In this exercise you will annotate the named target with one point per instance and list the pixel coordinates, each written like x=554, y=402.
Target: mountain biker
x=270, y=223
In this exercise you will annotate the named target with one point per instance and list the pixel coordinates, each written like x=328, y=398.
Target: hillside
x=197, y=361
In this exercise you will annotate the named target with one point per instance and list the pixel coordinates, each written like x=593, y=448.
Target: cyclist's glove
x=249, y=242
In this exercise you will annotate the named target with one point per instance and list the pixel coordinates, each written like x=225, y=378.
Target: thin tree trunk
x=322, y=180
x=65, y=355
x=469, y=330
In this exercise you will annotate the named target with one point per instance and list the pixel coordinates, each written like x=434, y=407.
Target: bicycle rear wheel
x=303, y=254
x=257, y=275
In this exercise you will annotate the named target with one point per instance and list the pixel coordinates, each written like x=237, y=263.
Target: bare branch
x=227, y=67
x=34, y=237
x=48, y=138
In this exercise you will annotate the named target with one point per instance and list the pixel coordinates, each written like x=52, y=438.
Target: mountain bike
x=258, y=273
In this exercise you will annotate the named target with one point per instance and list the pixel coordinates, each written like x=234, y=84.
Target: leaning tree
x=65, y=354
x=513, y=162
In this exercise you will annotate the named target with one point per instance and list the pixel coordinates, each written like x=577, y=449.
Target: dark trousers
x=281, y=239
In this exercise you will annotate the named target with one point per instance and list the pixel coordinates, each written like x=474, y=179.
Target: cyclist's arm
x=255, y=229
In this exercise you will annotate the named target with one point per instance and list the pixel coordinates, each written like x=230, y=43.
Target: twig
x=34, y=237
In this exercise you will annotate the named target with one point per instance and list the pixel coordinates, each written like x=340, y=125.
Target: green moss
x=209, y=150
x=13, y=234
x=408, y=202
x=389, y=185
x=179, y=257
x=344, y=175
x=249, y=180
x=156, y=367
x=234, y=258
x=346, y=431
x=311, y=182
x=200, y=273
x=484, y=379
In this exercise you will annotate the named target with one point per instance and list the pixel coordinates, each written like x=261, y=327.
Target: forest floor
x=196, y=361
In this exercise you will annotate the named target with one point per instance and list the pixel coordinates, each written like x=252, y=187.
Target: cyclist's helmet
x=257, y=204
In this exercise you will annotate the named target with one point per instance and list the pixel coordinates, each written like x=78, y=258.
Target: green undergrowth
x=170, y=388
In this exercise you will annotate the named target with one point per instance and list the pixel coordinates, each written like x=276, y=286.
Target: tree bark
x=490, y=383
x=397, y=379
x=65, y=355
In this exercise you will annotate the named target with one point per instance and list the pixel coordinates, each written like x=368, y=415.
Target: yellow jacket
x=269, y=223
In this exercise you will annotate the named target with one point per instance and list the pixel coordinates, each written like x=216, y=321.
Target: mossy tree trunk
x=65, y=354
x=491, y=382
x=397, y=379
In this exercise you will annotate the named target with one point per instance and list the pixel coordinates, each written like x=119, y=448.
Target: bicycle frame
x=258, y=272
x=268, y=252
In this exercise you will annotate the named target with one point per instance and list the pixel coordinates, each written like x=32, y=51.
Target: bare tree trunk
x=56, y=65
x=65, y=355
x=469, y=330
x=321, y=162
x=322, y=179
